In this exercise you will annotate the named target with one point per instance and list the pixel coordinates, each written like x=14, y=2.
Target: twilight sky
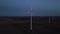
x=21, y=7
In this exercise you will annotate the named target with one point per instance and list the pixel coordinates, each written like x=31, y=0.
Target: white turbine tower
x=31, y=19
x=29, y=13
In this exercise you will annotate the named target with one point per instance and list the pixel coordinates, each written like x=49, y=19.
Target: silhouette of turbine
x=29, y=13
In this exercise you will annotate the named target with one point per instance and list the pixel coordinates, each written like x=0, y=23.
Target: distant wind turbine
x=30, y=14
x=31, y=19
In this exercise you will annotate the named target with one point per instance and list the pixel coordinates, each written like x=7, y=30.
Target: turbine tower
x=31, y=19
x=29, y=13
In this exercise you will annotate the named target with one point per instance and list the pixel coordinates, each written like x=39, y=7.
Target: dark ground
x=24, y=28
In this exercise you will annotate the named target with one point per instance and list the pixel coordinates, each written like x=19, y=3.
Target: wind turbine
x=31, y=19
x=30, y=14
